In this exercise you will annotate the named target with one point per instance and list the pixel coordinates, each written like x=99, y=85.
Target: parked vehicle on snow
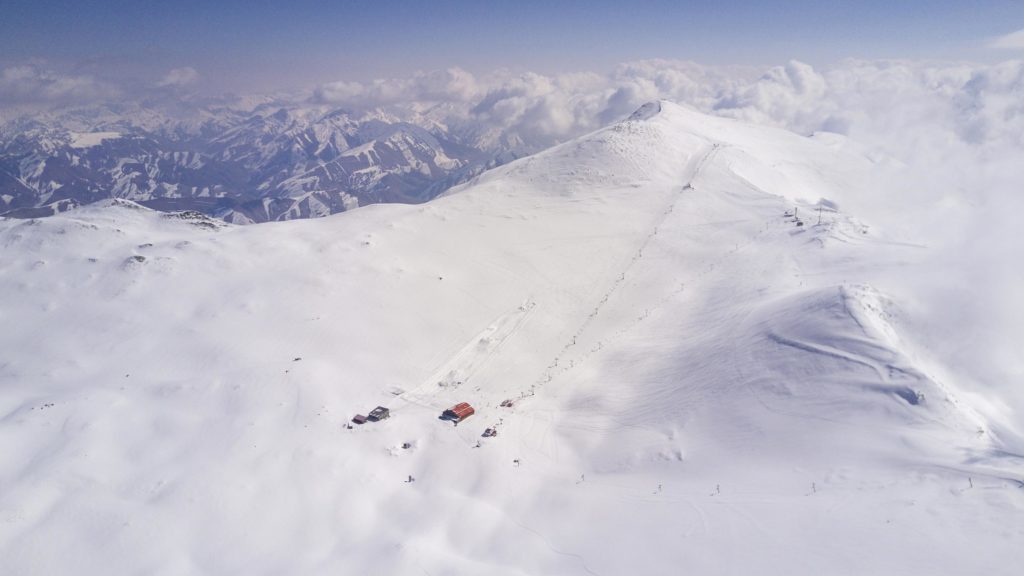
x=379, y=413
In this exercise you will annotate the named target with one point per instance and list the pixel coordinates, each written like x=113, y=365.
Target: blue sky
x=257, y=44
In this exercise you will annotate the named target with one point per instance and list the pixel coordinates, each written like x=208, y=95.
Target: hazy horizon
x=130, y=48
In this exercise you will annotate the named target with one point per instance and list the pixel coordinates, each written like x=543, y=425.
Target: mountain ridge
x=270, y=163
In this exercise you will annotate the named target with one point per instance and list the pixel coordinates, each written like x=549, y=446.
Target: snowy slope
x=700, y=384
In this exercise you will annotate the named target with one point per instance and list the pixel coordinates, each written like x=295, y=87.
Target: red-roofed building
x=459, y=412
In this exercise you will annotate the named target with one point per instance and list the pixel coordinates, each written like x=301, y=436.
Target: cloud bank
x=20, y=85
x=890, y=104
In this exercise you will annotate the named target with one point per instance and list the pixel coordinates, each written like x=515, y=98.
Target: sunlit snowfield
x=712, y=370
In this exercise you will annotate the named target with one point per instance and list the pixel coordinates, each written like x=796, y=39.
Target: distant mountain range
x=270, y=162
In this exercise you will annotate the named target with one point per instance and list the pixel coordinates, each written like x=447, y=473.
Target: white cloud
x=451, y=85
x=339, y=92
x=179, y=77
x=31, y=85
x=1011, y=41
x=914, y=111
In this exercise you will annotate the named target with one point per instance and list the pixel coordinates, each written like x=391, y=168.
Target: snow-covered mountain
x=706, y=370
x=276, y=162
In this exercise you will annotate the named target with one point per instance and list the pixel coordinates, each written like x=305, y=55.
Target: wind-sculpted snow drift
x=706, y=376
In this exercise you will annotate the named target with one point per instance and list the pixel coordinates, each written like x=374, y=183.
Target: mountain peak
x=647, y=111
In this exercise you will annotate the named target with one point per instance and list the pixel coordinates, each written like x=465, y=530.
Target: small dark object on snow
x=359, y=419
x=506, y=403
x=297, y=359
x=379, y=413
x=490, y=433
x=406, y=445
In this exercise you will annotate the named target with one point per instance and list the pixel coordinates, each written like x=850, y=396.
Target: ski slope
x=700, y=384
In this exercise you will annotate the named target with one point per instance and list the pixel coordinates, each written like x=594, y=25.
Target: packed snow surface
x=90, y=139
x=706, y=374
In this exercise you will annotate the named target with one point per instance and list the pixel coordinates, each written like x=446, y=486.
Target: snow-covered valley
x=707, y=374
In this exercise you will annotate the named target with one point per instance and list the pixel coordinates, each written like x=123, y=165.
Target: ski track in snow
x=548, y=375
x=461, y=368
x=551, y=547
